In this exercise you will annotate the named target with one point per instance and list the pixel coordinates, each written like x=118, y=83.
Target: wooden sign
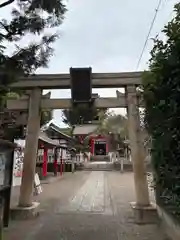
x=81, y=79
x=37, y=185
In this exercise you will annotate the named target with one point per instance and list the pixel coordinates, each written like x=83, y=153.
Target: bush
x=162, y=102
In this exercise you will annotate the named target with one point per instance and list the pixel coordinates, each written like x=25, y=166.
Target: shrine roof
x=51, y=142
x=84, y=129
x=57, y=130
x=44, y=138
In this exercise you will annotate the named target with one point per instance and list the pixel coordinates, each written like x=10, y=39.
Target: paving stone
x=86, y=206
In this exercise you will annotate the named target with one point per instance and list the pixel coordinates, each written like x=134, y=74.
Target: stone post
x=122, y=164
x=31, y=146
x=144, y=212
x=137, y=152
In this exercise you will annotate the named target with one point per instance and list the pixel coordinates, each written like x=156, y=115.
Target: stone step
x=100, y=158
x=98, y=166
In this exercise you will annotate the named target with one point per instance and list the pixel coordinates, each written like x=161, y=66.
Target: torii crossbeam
x=62, y=81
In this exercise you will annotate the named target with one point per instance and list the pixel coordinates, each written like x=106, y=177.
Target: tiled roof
x=84, y=129
x=43, y=137
x=57, y=129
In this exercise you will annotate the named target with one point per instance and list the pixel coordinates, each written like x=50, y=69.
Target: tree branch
x=6, y=3
x=2, y=35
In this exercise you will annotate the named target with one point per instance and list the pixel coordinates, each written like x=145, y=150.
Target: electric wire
x=149, y=32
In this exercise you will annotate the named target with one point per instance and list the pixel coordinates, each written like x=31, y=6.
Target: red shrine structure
x=99, y=145
x=48, y=152
x=53, y=150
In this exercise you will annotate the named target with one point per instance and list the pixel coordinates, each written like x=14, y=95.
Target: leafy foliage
x=162, y=101
x=29, y=18
x=116, y=127
x=115, y=123
x=82, y=114
x=46, y=115
x=111, y=125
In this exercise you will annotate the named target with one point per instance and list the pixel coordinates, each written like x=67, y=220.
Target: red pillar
x=92, y=146
x=55, y=162
x=107, y=147
x=61, y=162
x=45, y=155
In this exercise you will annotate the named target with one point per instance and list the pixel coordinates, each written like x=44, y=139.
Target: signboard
x=40, y=152
x=100, y=142
x=18, y=162
x=81, y=79
x=37, y=185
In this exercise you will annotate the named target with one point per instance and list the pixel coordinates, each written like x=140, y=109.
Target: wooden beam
x=22, y=104
x=62, y=81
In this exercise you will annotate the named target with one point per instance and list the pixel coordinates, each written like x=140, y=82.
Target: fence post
x=122, y=165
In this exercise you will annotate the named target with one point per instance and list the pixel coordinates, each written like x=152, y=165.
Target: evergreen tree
x=28, y=18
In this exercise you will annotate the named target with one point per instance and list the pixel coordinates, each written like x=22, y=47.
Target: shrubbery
x=162, y=101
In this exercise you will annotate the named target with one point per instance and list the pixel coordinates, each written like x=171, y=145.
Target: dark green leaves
x=162, y=100
x=30, y=19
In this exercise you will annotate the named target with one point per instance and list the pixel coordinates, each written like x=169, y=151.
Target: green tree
x=162, y=114
x=113, y=123
x=116, y=127
x=28, y=17
x=82, y=114
x=46, y=115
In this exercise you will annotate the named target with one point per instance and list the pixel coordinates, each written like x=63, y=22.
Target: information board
x=37, y=185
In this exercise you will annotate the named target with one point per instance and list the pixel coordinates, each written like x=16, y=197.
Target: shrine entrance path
x=86, y=206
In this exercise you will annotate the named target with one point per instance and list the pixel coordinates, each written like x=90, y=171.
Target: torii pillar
x=27, y=208
x=144, y=211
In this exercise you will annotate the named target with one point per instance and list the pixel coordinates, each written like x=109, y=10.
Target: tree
x=82, y=114
x=114, y=123
x=46, y=115
x=116, y=127
x=27, y=17
x=161, y=95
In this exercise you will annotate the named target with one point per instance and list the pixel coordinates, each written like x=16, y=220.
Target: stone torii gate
x=130, y=100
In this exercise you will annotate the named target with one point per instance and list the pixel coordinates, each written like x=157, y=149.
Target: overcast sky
x=106, y=35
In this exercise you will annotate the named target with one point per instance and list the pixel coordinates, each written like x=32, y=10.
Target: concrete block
x=25, y=213
x=145, y=214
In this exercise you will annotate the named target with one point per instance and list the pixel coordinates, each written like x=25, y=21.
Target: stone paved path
x=92, y=197
x=95, y=207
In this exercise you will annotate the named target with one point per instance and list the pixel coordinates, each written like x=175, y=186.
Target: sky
x=106, y=35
